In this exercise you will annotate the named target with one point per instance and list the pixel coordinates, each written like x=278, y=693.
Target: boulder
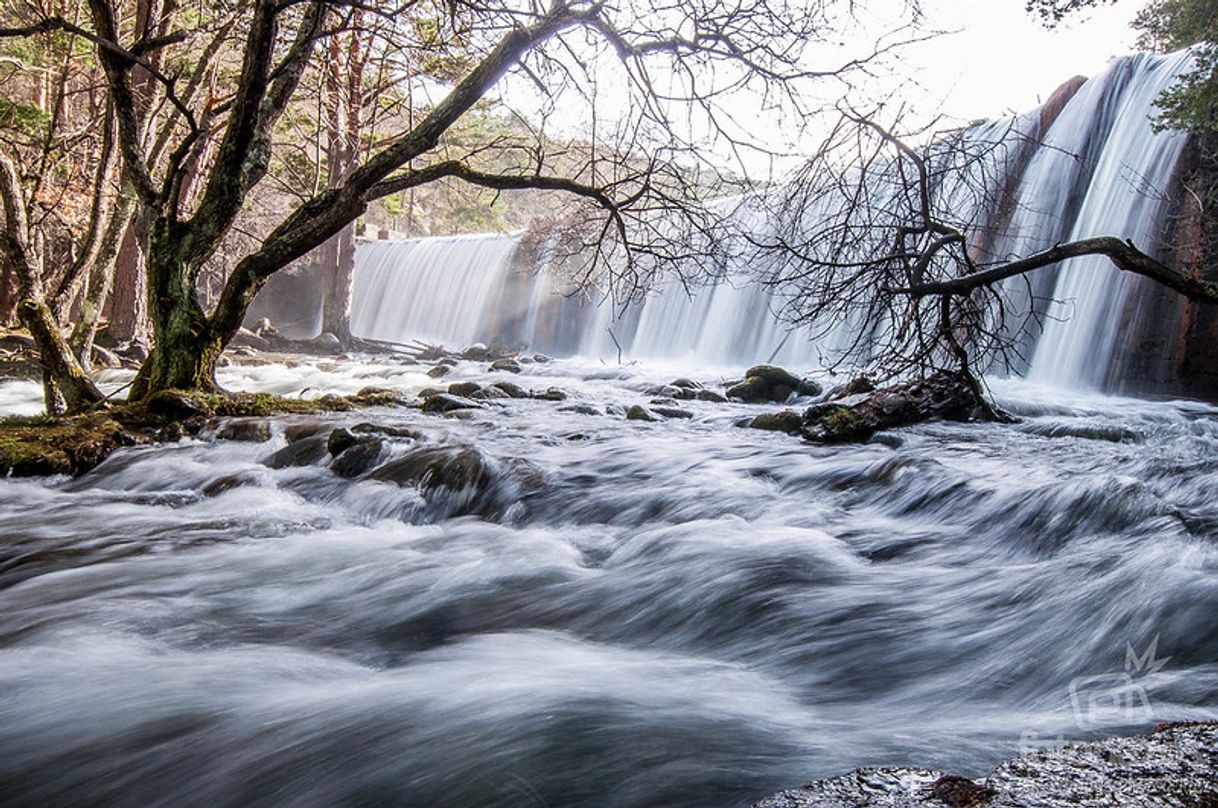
x=478, y=352
x=511, y=389
x=380, y=430
x=439, y=370
x=771, y=383
x=788, y=421
x=379, y=396
x=857, y=385
x=250, y=430
x=453, y=467
x=340, y=440
x=464, y=389
x=551, y=394
x=244, y=338
x=305, y=429
x=580, y=409
x=227, y=482
x=105, y=358
x=943, y=395
x=324, y=343
x=687, y=384
x=445, y=402
x=508, y=365
x=672, y=412
x=303, y=452
x=134, y=351
x=357, y=458
x=491, y=393
x=172, y=404
x=541, y=359
x=710, y=395
x=637, y=412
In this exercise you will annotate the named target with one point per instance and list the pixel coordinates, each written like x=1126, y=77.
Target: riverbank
x=1176, y=766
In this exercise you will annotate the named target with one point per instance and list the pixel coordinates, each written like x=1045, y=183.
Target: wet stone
x=507, y=365
x=250, y=430
x=357, y=459
x=638, y=412
x=444, y=402
x=303, y=452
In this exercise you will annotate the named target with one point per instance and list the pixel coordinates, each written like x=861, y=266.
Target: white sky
x=1004, y=60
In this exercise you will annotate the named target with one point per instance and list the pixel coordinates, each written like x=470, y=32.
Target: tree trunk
x=186, y=348
x=338, y=258
x=65, y=374
x=128, y=309
x=344, y=86
x=100, y=282
x=8, y=297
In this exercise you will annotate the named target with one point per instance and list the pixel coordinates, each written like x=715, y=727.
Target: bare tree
x=679, y=67
x=894, y=235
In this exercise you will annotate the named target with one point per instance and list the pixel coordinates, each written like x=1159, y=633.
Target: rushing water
x=622, y=614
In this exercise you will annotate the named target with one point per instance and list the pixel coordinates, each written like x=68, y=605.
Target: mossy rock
x=38, y=446
x=788, y=421
x=637, y=412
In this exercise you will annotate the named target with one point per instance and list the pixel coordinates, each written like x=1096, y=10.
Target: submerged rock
x=672, y=412
x=439, y=370
x=1174, y=767
x=710, y=395
x=580, y=409
x=943, y=395
x=551, y=394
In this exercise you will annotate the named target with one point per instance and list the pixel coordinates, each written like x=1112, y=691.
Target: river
x=683, y=613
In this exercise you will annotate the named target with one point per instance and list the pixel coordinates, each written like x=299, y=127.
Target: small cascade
x=1089, y=164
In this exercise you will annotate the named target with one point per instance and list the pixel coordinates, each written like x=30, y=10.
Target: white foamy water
x=684, y=613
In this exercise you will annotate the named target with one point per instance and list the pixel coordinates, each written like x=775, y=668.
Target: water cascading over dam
x=1096, y=167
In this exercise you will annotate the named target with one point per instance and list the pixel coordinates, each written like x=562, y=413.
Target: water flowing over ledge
x=1097, y=169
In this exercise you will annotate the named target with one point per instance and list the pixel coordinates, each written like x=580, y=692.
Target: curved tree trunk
x=63, y=373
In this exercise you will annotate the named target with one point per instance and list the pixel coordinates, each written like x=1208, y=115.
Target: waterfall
x=1095, y=307
x=1098, y=168
x=446, y=289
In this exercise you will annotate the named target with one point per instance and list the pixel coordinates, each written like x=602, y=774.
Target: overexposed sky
x=1004, y=60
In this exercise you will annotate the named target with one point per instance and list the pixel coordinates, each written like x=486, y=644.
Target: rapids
x=683, y=613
